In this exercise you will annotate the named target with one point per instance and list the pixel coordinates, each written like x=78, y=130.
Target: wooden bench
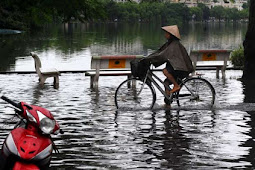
x=211, y=58
x=109, y=66
x=120, y=65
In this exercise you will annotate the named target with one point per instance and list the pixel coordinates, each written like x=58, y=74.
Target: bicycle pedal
x=167, y=101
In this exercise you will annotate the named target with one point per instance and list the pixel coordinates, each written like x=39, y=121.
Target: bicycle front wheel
x=134, y=94
x=196, y=92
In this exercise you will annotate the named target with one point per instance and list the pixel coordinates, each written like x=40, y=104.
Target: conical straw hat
x=173, y=29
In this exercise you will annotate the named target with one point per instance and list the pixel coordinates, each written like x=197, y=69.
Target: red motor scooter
x=29, y=145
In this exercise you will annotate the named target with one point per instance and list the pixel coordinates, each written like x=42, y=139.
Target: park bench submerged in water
x=114, y=65
x=119, y=65
x=215, y=58
x=45, y=73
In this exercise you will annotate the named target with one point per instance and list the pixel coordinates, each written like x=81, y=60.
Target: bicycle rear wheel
x=196, y=92
x=134, y=94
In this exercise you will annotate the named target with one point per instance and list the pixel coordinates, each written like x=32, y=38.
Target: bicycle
x=195, y=91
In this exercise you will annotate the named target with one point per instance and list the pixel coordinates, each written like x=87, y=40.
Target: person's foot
x=167, y=106
x=175, y=89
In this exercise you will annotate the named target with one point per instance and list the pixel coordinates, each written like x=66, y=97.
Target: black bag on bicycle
x=139, y=67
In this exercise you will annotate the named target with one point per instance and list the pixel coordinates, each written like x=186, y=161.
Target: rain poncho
x=174, y=53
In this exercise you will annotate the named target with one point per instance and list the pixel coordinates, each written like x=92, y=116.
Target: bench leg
x=223, y=71
x=56, y=80
x=134, y=84
x=217, y=72
x=42, y=80
x=93, y=81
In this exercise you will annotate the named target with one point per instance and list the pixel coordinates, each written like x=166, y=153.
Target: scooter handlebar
x=17, y=105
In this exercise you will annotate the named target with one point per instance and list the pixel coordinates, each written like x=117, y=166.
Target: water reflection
x=70, y=46
x=98, y=137
x=215, y=35
x=171, y=146
x=157, y=137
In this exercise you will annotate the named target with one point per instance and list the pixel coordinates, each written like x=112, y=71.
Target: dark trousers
x=175, y=73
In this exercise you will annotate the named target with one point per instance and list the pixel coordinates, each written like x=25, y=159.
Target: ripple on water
x=97, y=136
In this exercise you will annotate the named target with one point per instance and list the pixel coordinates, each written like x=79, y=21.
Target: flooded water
x=97, y=136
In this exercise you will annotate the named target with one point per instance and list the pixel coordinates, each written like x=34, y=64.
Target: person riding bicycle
x=174, y=54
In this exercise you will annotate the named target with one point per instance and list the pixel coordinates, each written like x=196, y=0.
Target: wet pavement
x=97, y=136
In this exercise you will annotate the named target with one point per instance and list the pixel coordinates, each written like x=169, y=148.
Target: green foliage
x=218, y=12
x=205, y=11
x=81, y=10
x=244, y=14
x=20, y=14
x=237, y=57
x=246, y=5
x=196, y=13
x=150, y=12
x=229, y=14
x=174, y=13
x=35, y=13
x=166, y=12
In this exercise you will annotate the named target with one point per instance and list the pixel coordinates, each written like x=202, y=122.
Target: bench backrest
x=38, y=63
x=112, y=62
x=210, y=55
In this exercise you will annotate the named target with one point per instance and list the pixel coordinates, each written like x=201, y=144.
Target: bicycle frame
x=190, y=92
x=150, y=75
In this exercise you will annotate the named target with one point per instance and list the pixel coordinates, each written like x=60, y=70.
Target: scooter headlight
x=47, y=125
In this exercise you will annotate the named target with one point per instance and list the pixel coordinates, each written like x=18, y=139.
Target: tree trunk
x=249, y=46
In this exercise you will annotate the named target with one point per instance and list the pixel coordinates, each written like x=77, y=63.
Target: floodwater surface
x=97, y=136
